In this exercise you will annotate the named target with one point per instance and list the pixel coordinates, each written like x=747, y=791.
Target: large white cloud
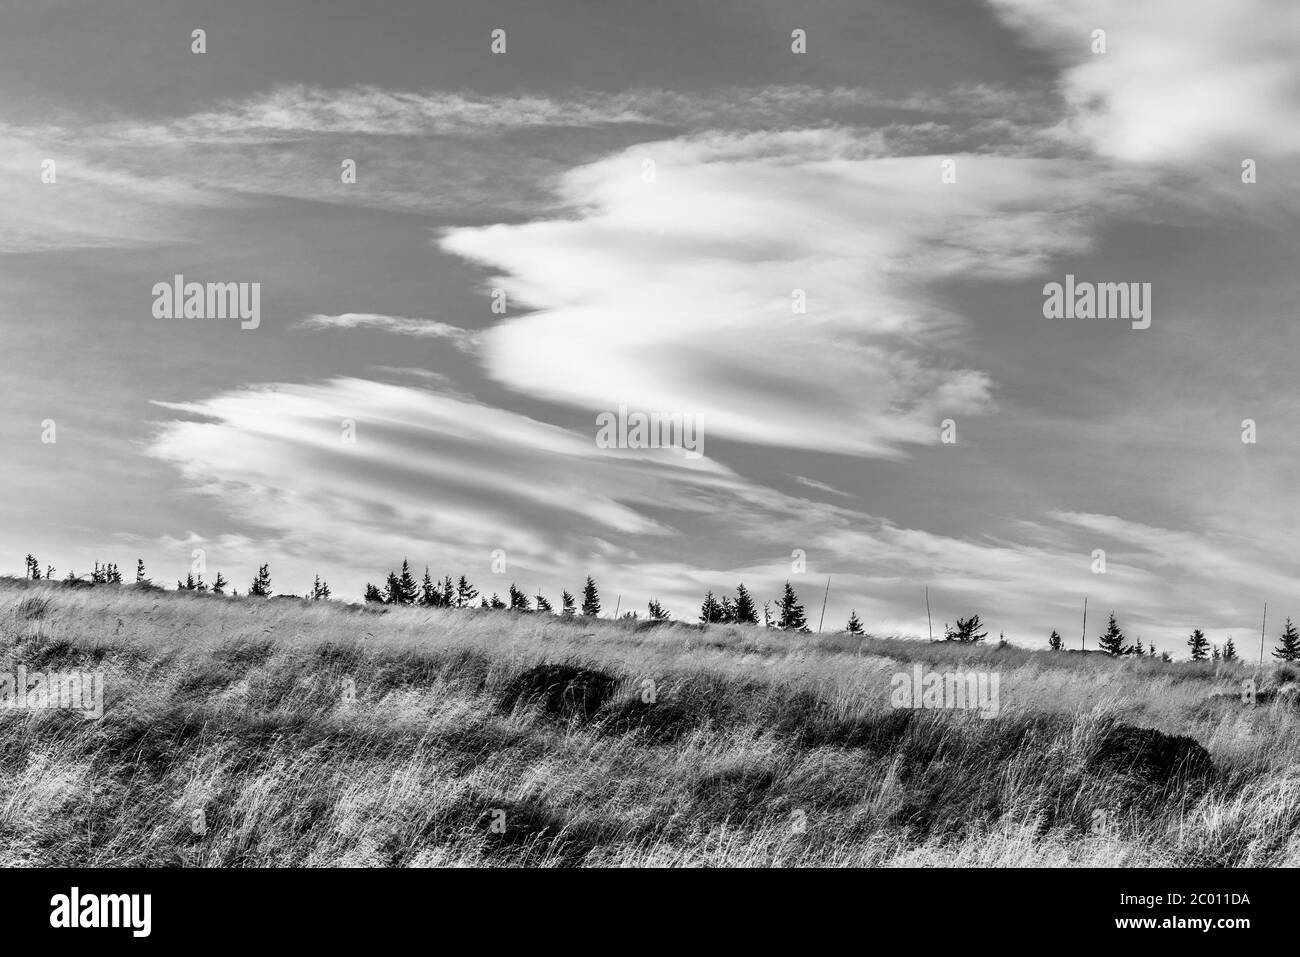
x=676, y=294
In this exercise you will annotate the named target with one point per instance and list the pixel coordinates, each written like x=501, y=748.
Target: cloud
x=681, y=294
x=462, y=339
x=1181, y=81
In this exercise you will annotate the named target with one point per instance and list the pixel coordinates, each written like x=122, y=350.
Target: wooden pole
x=1262, y=623
x=1083, y=638
x=929, y=624
x=824, y=597
x=617, y=606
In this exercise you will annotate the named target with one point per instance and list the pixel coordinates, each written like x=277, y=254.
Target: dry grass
x=760, y=748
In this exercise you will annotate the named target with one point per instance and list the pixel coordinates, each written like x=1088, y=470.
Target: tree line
x=784, y=612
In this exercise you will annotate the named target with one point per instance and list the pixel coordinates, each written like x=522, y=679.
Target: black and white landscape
x=729, y=434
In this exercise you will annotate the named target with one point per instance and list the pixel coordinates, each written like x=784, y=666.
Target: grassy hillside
x=322, y=734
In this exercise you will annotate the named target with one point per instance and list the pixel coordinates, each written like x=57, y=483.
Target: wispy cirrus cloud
x=463, y=339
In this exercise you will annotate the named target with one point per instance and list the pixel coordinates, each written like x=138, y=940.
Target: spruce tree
x=407, y=590
x=430, y=594
x=746, y=610
x=966, y=632
x=542, y=604
x=1055, y=642
x=1229, y=650
x=219, y=586
x=728, y=610
x=789, y=612
x=497, y=602
x=139, y=571
x=261, y=586
x=710, y=610
x=465, y=593
x=373, y=594
x=1112, y=642
x=854, y=627
x=1215, y=654
x=568, y=606
x=590, y=599
x=448, y=596
x=1199, y=645
x=1138, y=648
x=1289, y=649
x=518, y=600
x=657, y=612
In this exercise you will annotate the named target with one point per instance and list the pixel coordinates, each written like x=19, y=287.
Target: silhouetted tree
x=745, y=612
x=261, y=587
x=430, y=594
x=320, y=590
x=465, y=593
x=373, y=594
x=448, y=592
x=1138, y=649
x=1112, y=642
x=1199, y=645
x=33, y=566
x=789, y=611
x=406, y=590
x=710, y=611
x=590, y=599
x=518, y=600
x=139, y=571
x=1215, y=654
x=1229, y=650
x=568, y=606
x=219, y=586
x=854, y=627
x=657, y=612
x=1055, y=642
x=1289, y=649
x=497, y=602
x=542, y=604
x=967, y=631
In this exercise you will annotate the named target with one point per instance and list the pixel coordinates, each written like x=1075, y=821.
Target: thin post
x=1083, y=638
x=1262, y=623
x=618, y=605
x=824, y=597
x=928, y=623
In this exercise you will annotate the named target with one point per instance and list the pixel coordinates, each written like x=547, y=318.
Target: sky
x=649, y=189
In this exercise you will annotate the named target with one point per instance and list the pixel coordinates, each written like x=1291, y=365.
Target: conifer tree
x=1138, y=649
x=789, y=612
x=320, y=590
x=261, y=587
x=497, y=602
x=967, y=631
x=568, y=606
x=657, y=612
x=745, y=611
x=1229, y=650
x=542, y=604
x=710, y=611
x=1215, y=654
x=448, y=596
x=139, y=571
x=406, y=589
x=854, y=627
x=590, y=599
x=518, y=600
x=1113, y=641
x=219, y=586
x=1289, y=649
x=373, y=594
x=1199, y=645
x=430, y=594
x=1055, y=642
x=465, y=593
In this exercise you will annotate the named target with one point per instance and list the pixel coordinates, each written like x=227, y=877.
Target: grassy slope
x=236, y=707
